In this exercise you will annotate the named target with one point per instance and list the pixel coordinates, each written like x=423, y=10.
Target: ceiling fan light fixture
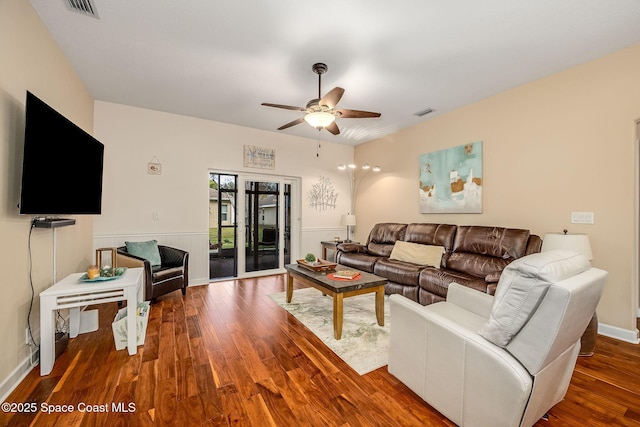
x=319, y=119
x=320, y=111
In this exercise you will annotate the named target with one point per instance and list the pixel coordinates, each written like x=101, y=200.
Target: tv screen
x=62, y=165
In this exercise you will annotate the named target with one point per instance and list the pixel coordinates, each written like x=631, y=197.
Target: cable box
x=52, y=222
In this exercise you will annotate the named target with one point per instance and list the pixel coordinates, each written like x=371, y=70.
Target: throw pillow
x=147, y=250
x=417, y=253
x=522, y=286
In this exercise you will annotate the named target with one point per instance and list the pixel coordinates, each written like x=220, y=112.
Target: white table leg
x=74, y=321
x=47, y=337
x=132, y=321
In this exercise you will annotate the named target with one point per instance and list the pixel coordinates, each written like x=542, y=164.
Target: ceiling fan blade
x=332, y=97
x=286, y=107
x=293, y=123
x=333, y=128
x=357, y=114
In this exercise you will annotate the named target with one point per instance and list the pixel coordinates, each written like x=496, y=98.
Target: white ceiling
x=220, y=60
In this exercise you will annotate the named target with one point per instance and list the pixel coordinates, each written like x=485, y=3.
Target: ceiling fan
x=321, y=112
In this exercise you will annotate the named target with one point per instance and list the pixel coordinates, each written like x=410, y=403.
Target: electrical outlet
x=155, y=216
x=27, y=337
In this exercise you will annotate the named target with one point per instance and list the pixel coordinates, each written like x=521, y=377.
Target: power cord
x=61, y=322
x=33, y=292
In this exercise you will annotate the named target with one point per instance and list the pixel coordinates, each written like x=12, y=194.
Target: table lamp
x=348, y=220
x=579, y=243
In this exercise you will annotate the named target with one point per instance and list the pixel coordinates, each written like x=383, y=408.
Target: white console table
x=74, y=294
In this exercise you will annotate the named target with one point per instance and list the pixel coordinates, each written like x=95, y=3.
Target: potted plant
x=311, y=259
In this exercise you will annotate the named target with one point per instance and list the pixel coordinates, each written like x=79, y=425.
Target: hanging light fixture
x=319, y=119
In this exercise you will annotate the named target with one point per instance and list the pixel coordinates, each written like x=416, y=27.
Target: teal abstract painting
x=451, y=180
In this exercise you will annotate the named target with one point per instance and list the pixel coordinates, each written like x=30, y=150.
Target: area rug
x=364, y=344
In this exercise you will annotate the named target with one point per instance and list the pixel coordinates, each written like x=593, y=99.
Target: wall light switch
x=581, y=217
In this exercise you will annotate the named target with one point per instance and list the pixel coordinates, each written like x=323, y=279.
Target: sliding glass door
x=223, y=233
x=253, y=213
x=262, y=225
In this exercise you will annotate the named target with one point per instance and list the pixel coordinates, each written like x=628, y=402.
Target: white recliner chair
x=500, y=360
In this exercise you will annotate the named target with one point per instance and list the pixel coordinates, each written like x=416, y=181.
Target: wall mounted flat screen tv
x=62, y=165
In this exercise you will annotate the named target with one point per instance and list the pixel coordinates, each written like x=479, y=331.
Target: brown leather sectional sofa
x=474, y=256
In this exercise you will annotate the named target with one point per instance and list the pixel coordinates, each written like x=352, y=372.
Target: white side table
x=74, y=294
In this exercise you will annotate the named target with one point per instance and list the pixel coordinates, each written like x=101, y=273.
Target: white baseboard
x=627, y=335
x=16, y=376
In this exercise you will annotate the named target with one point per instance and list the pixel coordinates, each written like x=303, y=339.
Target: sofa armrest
x=436, y=351
x=125, y=259
x=352, y=248
x=470, y=299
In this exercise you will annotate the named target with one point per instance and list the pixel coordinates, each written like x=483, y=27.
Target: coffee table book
x=345, y=274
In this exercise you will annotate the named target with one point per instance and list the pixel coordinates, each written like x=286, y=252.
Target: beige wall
x=188, y=148
x=31, y=60
x=560, y=144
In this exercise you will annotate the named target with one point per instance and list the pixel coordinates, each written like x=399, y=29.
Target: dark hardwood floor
x=226, y=354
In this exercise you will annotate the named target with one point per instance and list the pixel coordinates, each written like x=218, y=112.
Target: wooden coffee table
x=339, y=289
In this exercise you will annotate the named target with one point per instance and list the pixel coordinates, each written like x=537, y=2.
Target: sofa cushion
x=523, y=284
x=431, y=234
x=147, y=250
x=383, y=236
x=437, y=281
x=161, y=274
x=404, y=273
x=417, y=253
x=410, y=292
x=481, y=251
x=357, y=260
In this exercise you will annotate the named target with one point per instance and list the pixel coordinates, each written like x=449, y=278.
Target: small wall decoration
x=322, y=195
x=259, y=157
x=154, y=167
x=451, y=180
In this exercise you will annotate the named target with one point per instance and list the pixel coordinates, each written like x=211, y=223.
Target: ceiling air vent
x=85, y=7
x=424, y=112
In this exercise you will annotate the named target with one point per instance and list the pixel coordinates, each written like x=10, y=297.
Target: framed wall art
x=259, y=157
x=451, y=180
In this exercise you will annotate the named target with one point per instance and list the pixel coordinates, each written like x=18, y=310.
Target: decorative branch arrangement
x=322, y=195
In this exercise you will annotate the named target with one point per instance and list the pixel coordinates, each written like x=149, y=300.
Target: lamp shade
x=348, y=219
x=575, y=242
x=319, y=119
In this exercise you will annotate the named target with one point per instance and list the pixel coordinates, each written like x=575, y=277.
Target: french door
x=257, y=237
x=223, y=232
